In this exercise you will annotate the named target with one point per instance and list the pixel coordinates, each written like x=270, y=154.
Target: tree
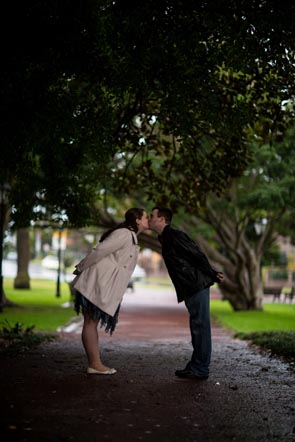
x=238, y=227
x=197, y=97
x=137, y=79
x=56, y=116
x=187, y=138
x=22, y=279
x=248, y=218
x=68, y=108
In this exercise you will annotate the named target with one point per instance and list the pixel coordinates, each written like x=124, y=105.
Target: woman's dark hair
x=130, y=222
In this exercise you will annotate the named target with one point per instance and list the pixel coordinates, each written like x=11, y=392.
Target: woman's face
x=143, y=222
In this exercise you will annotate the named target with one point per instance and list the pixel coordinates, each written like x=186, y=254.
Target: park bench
x=288, y=294
x=274, y=291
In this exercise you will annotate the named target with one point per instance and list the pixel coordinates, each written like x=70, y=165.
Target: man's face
x=156, y=223
x=143, y=222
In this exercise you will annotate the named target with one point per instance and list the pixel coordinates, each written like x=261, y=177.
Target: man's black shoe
x=180, y=372
x=188, y=374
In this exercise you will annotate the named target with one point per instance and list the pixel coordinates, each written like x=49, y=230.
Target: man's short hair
x=165, y=212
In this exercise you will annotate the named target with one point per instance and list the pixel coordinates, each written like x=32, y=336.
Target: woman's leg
x=90, y=342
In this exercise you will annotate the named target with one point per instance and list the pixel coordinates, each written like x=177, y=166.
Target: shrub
x=279, y=343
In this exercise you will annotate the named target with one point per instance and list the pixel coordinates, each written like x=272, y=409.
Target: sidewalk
x=46, y=395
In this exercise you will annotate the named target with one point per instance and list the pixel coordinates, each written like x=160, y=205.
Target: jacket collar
x=134, y=237
x=164, y=233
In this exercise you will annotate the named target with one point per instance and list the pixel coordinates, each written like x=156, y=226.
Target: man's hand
x=220, y=276
x=76, y=271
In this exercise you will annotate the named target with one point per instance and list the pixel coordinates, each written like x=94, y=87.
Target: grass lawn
x=38, y=306
x=272, y=329
x=273, y=317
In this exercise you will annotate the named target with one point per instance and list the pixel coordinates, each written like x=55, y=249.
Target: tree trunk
x=150, y=241
x=6, y=302
x=242, y=285
x=22, y=280
x=242, y=297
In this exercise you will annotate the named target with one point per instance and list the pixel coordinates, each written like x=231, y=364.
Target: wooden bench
x=288, y=294
x=274, y=291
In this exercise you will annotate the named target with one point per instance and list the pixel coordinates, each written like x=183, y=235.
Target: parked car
x=12, y=256
x=138, y=273
x=50, y=262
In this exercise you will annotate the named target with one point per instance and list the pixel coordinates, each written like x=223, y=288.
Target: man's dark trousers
x=198, y=307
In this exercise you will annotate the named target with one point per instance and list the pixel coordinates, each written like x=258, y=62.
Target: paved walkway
x=46, y=395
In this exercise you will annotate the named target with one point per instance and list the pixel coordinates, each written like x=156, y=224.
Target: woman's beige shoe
x=93, y=371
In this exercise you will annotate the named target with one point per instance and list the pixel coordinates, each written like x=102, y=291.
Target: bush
x=16, y=338
x=279, y=343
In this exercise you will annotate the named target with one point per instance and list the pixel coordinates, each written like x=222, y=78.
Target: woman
x=102, y=280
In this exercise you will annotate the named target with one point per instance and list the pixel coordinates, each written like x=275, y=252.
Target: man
x=192, y=276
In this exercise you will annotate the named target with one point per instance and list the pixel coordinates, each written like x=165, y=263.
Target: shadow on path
x=46, y=395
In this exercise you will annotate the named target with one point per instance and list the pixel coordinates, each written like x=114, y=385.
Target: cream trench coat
x=106, y=270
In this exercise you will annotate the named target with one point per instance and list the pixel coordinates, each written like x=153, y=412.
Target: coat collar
x=164, y=232
x=134, y=237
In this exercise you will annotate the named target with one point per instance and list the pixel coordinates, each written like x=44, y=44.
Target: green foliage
x=266, y=189
x=193, y=102
x=279, y=343
x=55, y=129
x=10, y=332
x=17, y=338
x=203, y=74
x=272, y=256
x=279, y=274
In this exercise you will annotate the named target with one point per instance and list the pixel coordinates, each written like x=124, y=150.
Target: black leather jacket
x=188, y=267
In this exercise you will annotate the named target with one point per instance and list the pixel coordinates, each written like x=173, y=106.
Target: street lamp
x=260, y=226
x=59, y=264
x=4, y=192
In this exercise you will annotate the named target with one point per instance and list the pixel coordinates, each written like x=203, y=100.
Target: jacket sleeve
x=187, y=248
x=117, y=240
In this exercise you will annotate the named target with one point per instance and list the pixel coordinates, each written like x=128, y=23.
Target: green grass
x=272, y=329
x=38, y=306
x=273, y=317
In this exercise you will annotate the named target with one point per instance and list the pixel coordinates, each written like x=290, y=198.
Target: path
x=48, y=396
